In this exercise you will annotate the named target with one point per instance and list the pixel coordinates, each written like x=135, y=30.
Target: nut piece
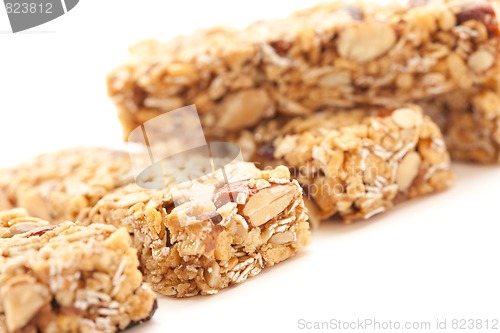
x=480, y=61
x=406, y=118
x=366, y=42
x=408, y=170
x=244, y=109
x=212, y=275
x=282, y=238
x=21, y=228
x=268, y=203
x=22, y=302
x=229, y=193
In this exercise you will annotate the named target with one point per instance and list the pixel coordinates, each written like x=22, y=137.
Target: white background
x=428, y=259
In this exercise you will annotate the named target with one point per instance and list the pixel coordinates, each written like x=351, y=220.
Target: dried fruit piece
x=482, y=12
x=268, y=203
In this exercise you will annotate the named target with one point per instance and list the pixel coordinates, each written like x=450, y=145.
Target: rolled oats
x=338, y=54
x=356, y=163
x=60, y=186
x=204, y=247
x=70, y=278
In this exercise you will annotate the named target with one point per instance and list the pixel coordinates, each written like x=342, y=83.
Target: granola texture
x=337, y=54
x=358, y=163
x=471, y=122
x=62, y=185
x=68, y=278
x=201, y=247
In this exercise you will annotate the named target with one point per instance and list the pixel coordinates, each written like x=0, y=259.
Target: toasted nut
x=212, y=275
x=282, y=238
x=366, y=42
x=335, y=80
x=244, y=109
x=268, y=203
x=22, y=227
x=406, y=118
x=408, y=170
x=229, y=193
x=22, y=302
x=480, y=61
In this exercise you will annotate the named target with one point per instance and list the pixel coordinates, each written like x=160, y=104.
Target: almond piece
x=408, y=170
x=212, y=275
x=481, y=61
x=21, y=303
x=22, y=227
x=406, y=118
x=268, y=203
x=282, y=238
x=244, y=109
x=366, y=42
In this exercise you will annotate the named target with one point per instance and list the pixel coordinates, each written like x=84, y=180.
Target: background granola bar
x=62, y=185
x=332, y=55
x=356, y=163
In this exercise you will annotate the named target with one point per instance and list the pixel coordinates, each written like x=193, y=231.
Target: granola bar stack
x=186, y=244
x=346, y=109
x=337, y=54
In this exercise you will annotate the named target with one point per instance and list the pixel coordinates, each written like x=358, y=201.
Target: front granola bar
x=68, y=278
x=63, y=185
x=201, y=247
x=356, y=163
x=337, y=54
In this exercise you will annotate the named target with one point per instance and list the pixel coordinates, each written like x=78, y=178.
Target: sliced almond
x=406, y=118
x=366, y=42
x=268, y=203
x=408, y=170
x=22, y=227
x=22, y=302
x=480, y=61
x=282, y=238
x=244, y=109
x=212, y=275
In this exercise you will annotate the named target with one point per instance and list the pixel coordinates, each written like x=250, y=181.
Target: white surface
x=428, y=259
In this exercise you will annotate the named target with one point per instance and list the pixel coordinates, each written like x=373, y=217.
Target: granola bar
x=357, y=163
x=337, y=54
x=203, y=246
x=68, y=278
x=63, y=185
x=471, y=122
